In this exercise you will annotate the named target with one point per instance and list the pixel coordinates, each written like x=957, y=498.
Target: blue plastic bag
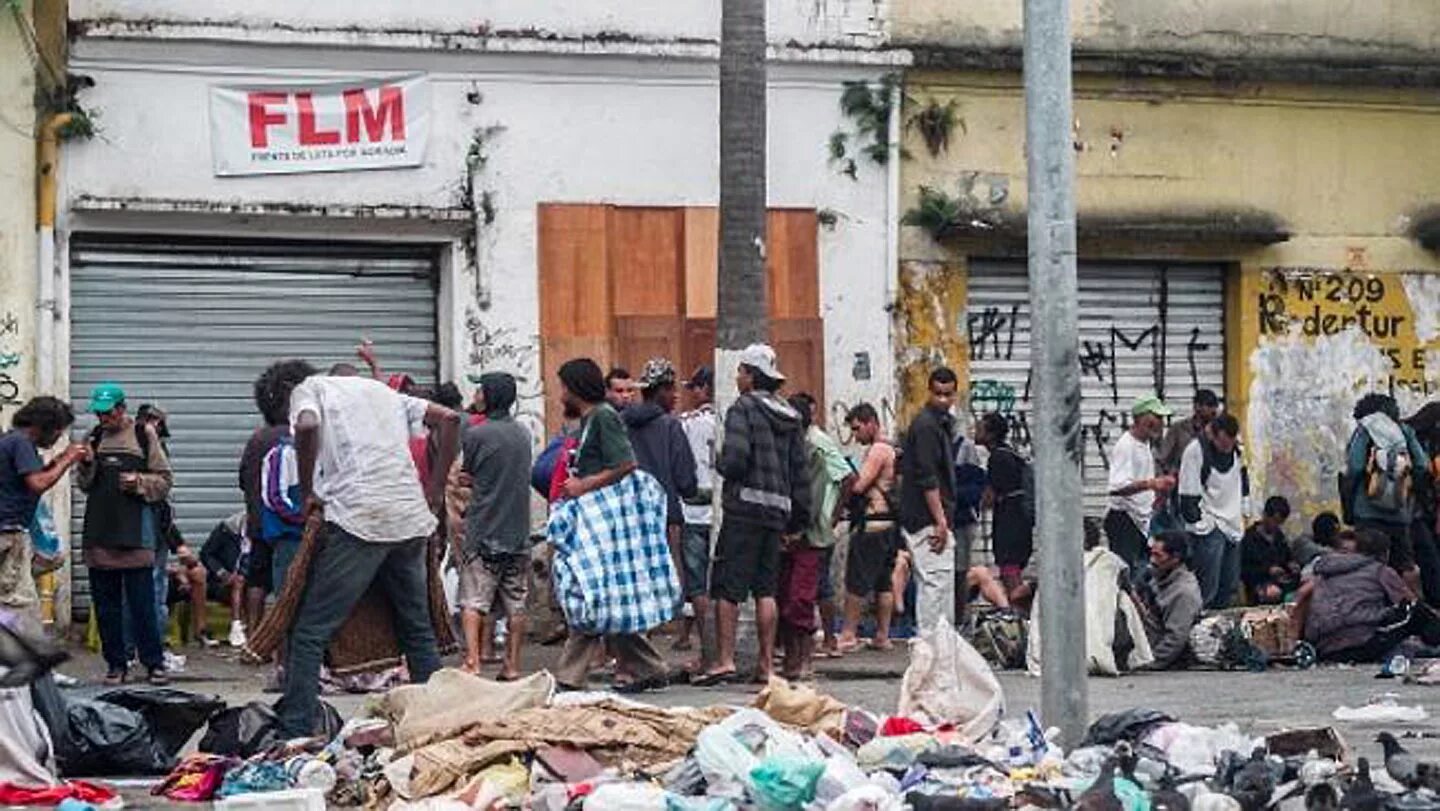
x=49, y=548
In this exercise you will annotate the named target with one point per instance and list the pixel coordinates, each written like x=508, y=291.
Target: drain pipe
x=47, y=167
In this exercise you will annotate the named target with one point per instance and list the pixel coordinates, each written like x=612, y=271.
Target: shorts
x=827, y=582
x=17, y=582
x=1402, y=548
x=259, y=573
x=484, y=582
x=871, y=563
x=282, y=554
x=695, y=559
x=747, y=562
x=799, y=588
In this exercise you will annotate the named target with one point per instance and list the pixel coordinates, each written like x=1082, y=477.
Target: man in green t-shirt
x=603, y=457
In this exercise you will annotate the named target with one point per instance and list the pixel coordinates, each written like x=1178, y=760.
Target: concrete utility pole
x=742, y=309
x=1054, y=366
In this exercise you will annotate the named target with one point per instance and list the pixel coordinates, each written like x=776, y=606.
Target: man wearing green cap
x=125, y=479
x=1133, y=485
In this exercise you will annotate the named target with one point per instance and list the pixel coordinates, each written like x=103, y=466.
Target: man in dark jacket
x=1170, y=601
x=661, y=448
x=927, y=500
x=766, y=495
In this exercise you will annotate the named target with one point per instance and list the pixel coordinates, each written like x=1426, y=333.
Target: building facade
x=472, y=186
x=1254, y=217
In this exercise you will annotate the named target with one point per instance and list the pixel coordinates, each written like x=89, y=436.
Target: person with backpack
x=1386, y=469
x=1012, y=499
x=1133, y=485
x=128, y=475
x=1214, y=491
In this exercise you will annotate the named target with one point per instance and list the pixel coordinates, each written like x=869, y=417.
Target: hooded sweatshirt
x=1352, y=594
x=764, y=462
x=663, y=451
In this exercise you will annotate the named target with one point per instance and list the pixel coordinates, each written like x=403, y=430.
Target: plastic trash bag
x=782, y=783
x=867, y=798
x=675, y=802
x=96, y=738
x=724, y=761
x=255, y=727
x=173, y=715
x=949, y=682
x=49, y=548
x=626, y=797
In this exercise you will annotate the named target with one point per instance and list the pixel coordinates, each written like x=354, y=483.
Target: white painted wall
x=577, y=129
x=805, y=21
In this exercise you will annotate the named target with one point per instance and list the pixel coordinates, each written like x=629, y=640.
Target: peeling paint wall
x=17, y=219
x=928, y=313
x=1336, y=29
x=841, y=22
x=1325, y=338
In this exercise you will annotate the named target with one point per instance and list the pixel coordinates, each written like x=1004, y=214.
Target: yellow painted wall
x=17, y=218
x=1343, y=169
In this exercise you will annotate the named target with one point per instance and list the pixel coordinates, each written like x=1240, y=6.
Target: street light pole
x=1054, y=366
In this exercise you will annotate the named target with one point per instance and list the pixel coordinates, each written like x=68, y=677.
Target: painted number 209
x=1354, y=289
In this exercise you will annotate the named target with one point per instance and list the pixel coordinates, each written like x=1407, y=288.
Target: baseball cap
x=104, y=398
x=703, y=378
x=762, y=358
x=1150, y=404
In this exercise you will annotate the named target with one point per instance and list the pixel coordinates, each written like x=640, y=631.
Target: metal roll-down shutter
x=188, y=325
x=1144, y=328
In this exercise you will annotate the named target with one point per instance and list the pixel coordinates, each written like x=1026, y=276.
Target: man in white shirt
x=352, y=439
x=1133, y=485
x=700, y=427
x=1214, y=492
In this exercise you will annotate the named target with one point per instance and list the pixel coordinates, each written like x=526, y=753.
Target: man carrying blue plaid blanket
x=645, y=588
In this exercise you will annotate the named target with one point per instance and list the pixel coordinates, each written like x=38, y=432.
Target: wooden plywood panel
x=699, y=347
x=793, y=263
x=702, y=257
x=574, y=281
x=639, y=338
x=646, y=261
x=800, y=348
x=554, y=351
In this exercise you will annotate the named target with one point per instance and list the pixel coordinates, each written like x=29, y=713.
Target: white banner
x=319, y=127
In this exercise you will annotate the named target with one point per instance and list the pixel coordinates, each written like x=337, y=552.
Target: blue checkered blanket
x=613, y=571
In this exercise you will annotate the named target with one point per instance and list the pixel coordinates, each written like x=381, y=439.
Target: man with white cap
x=766, y=496
x=1133, y=485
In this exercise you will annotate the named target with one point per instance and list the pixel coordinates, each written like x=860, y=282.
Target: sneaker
x=174, y=663
x=237, y=634
x=158, y=677
x=114, y=678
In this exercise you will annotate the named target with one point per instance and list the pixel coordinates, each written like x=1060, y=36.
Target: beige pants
x=637, y=657
x=17, y=584
x=934, y=578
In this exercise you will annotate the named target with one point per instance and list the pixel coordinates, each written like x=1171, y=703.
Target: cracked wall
x=17, y=220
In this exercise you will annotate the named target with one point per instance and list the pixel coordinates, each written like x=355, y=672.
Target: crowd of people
x=372, y=481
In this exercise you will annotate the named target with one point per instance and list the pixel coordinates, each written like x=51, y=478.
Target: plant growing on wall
x=868, y=108
x=936, y=212
x=935, y=121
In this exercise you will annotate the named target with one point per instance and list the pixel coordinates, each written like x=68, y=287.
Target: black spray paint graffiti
x=841, y=430
x=992, y=333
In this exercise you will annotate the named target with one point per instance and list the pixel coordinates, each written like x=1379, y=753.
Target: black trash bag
x=255, y=727
x=173, y=715
x=1130, y=725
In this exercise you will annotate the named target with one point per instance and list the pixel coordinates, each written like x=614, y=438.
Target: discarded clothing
x=801, y=706
x=367, y=641
x=612, y=733
x=196, y=779
x=254, y=777
x=453, y=700
x=12, y=794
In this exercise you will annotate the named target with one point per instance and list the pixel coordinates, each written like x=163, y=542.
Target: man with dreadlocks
x=495, y=554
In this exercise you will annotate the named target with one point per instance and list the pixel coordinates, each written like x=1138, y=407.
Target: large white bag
x=949, y=682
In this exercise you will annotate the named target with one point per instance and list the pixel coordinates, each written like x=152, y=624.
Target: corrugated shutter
x=1143, y=328
x=188, y=325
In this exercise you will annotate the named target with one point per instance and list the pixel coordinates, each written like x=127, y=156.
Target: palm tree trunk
x=741, y=298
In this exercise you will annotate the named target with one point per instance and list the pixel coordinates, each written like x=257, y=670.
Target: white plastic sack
x=1102, y=599
x=626, y=797
x=1193, y=750
x=867, y=798
x=948, y=681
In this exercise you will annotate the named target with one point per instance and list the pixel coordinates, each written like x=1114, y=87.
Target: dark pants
x=341, y=572
x=116, y=593
x=1422, y=622
x=1427, y=555
x=1126, y=540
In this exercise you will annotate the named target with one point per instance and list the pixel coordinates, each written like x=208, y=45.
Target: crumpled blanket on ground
x=366, y=642
x=453, y=700
x=640, y=737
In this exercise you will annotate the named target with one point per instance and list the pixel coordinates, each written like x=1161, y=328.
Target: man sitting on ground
x=1170, y=603
x=1267, y=568
x=1357, y=608
x=1323, y=538
x=223, y=560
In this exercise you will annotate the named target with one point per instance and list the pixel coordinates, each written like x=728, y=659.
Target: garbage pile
x=462, y=742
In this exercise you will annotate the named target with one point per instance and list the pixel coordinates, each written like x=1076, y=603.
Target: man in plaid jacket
x=616, y=506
